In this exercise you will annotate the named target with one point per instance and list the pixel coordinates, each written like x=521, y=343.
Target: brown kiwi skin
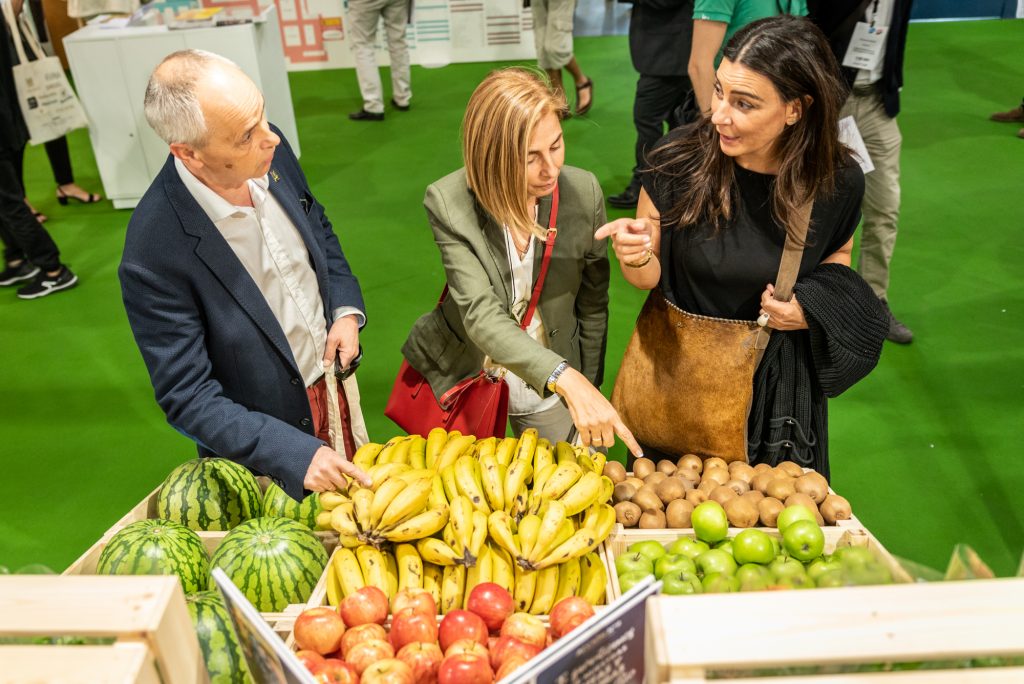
x=738, y=486
x=719, y=475
x=790, y=468
x=781, y=488
x=627, y=513
x=835, y=508
x=623, y=491
x=654, y=479
x=615, y=471
x=677, y=514
x=691, y=462
x=696, y=497
x=670, y=489
x=652, y=520
x=813, y=485
x=721, y=494
x=642, y=467
x=753, y=496
x=666, y=466
x=647, y=499
x=741, y=513
x=768, y=510
x=798, y=499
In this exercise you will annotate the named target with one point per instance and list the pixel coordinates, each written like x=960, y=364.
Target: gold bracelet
x=640, y=264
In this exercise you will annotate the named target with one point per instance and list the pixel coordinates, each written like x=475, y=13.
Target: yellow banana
x=479, y=573
x=527, y=445
x=323, y=520
x=515, y=479
x=499, y=527
x=413, y=474
x=432, y=575
x=347, y=570
x=384, y=456
x=400, y=454
x=565, y=453
x=600, y=459
x=374, y=567
x=334, y=594
x=585, y=460
x=601, y=519
x=418, y=452
x=408, y=502
x=582, y=494
x=362, y=499
x=529, y=527
x=523, y=588
x=448, y=535
x=607, y=489
x=331, y=500
x=477, y=541
x=410, y=567
x=453, y=585
x=383, y=497
x=391, y=569
x=564, y=477
x=437, y=496
x=506, y=451
x=490, y=478
x=467, y=479
x=451, y=488
x=569, y=577
x=581, y=542
x=540, y=477
x=544, y=593
x=435, y=442
x=520, y=503
x=549, y=525
x=382, y=472
x=501, y=567
x=460, y=517
x=426, y=524
x=366, y=455
x=593, y=579
x=433, y=550
x=487, y=446
x=452, y=450
x=343, y=520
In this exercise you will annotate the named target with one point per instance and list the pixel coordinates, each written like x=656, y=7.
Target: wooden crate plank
x=111, y=664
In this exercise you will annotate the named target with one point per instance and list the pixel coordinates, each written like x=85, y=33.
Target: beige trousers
x=363, y=17
x=552, y=31
x=881, y=207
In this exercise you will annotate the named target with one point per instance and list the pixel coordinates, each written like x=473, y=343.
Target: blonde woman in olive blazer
x=487, y=220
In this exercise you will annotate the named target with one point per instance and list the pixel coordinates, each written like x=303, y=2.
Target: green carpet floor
x=926, y=448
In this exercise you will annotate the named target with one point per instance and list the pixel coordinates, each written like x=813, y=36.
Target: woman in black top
x=717, y=203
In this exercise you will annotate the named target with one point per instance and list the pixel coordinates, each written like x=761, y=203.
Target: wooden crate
x=691, y=638
x=835, y=537
x=145, y=616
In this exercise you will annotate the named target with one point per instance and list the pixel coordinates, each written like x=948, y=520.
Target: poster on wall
x=314, y=32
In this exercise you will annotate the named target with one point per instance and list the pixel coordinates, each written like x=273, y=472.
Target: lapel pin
x=273, y=174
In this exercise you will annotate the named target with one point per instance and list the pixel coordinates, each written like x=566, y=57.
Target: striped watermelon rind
x=273, y=561
x=157, y=547
x=210, y=494
x=224, y=659
x=277, y=504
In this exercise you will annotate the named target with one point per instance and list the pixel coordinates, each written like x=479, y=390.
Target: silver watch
x=555, y=374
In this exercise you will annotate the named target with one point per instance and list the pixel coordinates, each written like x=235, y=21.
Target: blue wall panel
x=947, y=9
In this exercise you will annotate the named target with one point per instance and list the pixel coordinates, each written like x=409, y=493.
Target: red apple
x=365, y=653
x=319, y=629
x=492, y=602
x=311, y=659
x=461, y=624
x=424, y=659
x=388, y=671
x=367, y=605
x=335, y=671
x=568, y=614
x=410, y=625
x=507, y=647
x=511, y=664
x=411, y=597
x=471, y=646
x=464, y=668
x=367, y=632
x=526, y=627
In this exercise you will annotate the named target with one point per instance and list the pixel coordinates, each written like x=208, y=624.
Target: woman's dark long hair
x=794, y=55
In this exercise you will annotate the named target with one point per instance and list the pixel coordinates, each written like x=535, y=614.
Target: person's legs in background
x=552, y=30
x=396, y=18
x=60, y=161
x=363, y=16
x=553, y=424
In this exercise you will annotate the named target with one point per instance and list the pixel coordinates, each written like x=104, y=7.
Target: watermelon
x=273, y=561
x=157, y=547
x=216, y=632
x=277, y=504
x=209, y=494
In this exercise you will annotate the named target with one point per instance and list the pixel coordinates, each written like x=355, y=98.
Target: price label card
x=865, y=47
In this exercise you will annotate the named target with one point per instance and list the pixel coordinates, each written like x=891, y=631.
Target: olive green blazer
x=449, y=344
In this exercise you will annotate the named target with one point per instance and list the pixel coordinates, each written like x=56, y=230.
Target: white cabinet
x=111, y=68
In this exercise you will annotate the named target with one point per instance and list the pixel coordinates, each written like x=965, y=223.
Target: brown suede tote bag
x=686, y=381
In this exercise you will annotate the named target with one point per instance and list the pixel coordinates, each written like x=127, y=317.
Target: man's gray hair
x=172, y=108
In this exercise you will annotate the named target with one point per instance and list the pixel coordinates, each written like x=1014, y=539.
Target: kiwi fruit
x=721, y=494
x=719, y=475
x=708, y=486
x=790, y=468
x=623, y=491
x=627, y=513
x=652, y=520
x=753, y=496
x=781, y=488
x=670, y=489
x=760, y=480
x=666, y=466
x=768, y=509
x=813, y=485
x=741, y=471
x=691, y=476
x=819, y=518
x=696, y=497
x=647, y=499
x=741, y=513
x=677, y=514
x=654, y=479
x=635, y=481
x=834, y=508
x=715, y=462
x=642, y=467
x=799, y=499
x=738, y=486
x=690, y=462
x=615, y=471
x=761, y=467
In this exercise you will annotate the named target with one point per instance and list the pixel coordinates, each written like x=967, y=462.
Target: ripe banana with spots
x=582, y=494
x=425, y=524
x=492, y=477
x=527, y=445
x=501, y=567
x=348, y=572
x=569, y=578
x=432, y=576
x=523, y=588
x=410, y=567
x=366, y=455
x=374, y=567
x=453, y=586
x=437, y=552
x=435, y=442
x=593, y=579
x=506, y=451
x=409, y=502
x=467, y=479
x=544, y=592
x=453, y=448
x=479, y=573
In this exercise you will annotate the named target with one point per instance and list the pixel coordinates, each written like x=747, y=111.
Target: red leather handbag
x=476, y=406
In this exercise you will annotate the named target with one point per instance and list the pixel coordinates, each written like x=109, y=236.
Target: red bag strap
x=549, y=246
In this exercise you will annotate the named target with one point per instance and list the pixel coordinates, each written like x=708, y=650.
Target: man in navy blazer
x=235, y=285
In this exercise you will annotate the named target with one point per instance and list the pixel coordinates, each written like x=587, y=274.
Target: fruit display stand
x=145, y=618
x=924, y=629
x=835, y=537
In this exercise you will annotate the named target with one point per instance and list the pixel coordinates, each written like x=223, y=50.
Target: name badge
x=865, y=46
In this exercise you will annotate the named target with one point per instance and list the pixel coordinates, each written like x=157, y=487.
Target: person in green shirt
x=714, y=23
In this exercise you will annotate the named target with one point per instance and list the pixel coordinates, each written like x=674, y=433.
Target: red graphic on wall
x=301, y=30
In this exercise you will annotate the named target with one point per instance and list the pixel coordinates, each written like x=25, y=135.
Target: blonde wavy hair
x=500, y=120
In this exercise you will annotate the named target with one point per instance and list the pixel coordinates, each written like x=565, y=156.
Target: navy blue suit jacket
x=220, y=364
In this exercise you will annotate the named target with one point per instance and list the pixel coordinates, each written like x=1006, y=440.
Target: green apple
x=753, y=546
x=714, y=561
x=790, y=514
x=649, y=548
x=854, y=556
x=784, y=567
x=720, y=583
x=633, y=562
x=804, y=540
x=875, y=573
x=820, y=566
x=688, y=547
x=710, y=523
x=628, y=580
x=796, y=582
x=724, y=545
x=673, y=562
x=830, y=578
x=677, y=583
x=753, y=577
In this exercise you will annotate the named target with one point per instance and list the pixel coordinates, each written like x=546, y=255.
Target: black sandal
x=588, y=85
x=63, y=197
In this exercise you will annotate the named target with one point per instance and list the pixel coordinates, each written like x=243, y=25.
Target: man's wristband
x=555, y=374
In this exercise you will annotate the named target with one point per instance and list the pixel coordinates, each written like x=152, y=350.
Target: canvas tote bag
x=686, y=381
x=48, y=104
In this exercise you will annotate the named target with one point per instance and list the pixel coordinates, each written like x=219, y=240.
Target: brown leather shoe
x=1015, y=114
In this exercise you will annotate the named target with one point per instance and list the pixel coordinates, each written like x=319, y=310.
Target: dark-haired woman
x=714, y=213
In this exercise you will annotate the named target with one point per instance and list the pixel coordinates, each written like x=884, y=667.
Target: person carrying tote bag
x=486, y=219
x=722, y=201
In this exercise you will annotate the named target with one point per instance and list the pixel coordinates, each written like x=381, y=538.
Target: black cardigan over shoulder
x=801, y=369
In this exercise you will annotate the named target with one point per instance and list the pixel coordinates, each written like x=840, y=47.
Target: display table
x=111, y=68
